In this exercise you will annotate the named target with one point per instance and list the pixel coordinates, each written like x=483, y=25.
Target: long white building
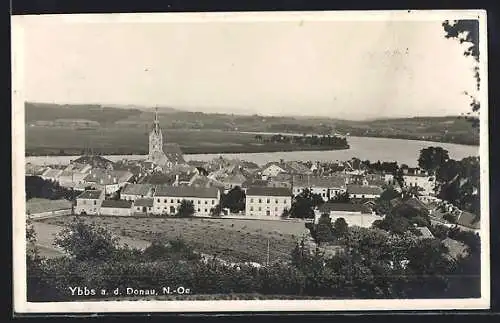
x=167, y=199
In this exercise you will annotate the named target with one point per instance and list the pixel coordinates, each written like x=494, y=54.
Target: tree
x=234, y=200
x=285, y=214
x=324, y=229
x=216, y=210
x=340, y=227
x=186, y=209
x=432, y=158
x=303, y=205
x=467, y=31
x=86, y=241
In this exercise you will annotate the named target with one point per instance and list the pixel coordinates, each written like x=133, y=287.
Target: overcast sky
x=343, y=69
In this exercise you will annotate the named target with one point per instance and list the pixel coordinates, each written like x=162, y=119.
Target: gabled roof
x=343, y=207
x=144, y=202
x=120, y=204
x=268, y=191
x=363, y=189
x=187, y=191
x=316, y=181
x=137, y=189
x=90, y=194
x=255, y=183
x=425, y=232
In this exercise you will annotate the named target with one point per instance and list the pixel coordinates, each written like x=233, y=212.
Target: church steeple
x=156, y=123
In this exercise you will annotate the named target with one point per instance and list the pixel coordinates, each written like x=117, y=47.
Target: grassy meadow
x=235, y=240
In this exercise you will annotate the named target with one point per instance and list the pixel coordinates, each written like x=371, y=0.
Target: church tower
x=156, y=153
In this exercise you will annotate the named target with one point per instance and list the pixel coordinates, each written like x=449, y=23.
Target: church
x=165, y=155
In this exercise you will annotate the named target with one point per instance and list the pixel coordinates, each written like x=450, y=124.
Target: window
x=260, y=209
x=276, y=201
x=251, y=208
x=206, y=202
x=199, y=202
x=165, y=201
x=276, y=209
x=178, y=201
x=95, y=202
x=251, y=200
x=84, y=202
x=205, y=210
x=284, y=201
x=213, y=202
x=268, y=200
x=158, y=200
x=260, y=200
x=198, y=209
x=172, y=201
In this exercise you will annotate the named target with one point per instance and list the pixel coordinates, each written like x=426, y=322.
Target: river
x=384, y=149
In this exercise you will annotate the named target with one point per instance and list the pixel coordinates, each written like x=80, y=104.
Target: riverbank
x=364, y=148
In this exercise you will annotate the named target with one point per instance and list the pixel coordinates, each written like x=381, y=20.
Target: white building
x=167, y=199
x=273, y=169
x=354, y=214
x=116, y=208
x=420, y=179
x=267, y=201
x=108, y=181
x=132, y=192
x=326, y=187
x=143, y=206
x=89, y=202
x=363, y=191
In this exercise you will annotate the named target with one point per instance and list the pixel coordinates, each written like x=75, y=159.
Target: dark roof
x=122, y=204
x=364, y=189
x=187, y=191
x=144, y=202
x=316, y=181
x=345, y=207
x=173, y=152
x=90, y=194
x=269, y=191
x=94, y=160
x=137, y=189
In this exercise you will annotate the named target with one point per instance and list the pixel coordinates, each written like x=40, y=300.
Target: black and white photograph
x=277, y=161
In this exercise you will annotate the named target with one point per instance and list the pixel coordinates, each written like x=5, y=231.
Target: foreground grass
x=230, y=239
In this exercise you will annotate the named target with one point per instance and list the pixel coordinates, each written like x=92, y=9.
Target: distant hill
x=446, y=129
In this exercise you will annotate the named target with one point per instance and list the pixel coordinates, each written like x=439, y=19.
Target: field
x=38, y=205
x=234, y=240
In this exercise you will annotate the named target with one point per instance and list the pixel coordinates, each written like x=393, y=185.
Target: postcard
x=264, y=161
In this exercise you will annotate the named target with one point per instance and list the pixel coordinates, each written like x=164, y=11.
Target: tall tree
x=432, y=158
x=186, y=209
x=467, y=31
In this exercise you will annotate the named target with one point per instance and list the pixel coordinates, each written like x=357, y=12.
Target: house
x=254, y=183
x=204, y=181
x=167, y=199
x=116, y=207
x=280, y=180
x=354, y=214
x=231, y=181
x=272, y=169
x=424, y=233
x=267, y=201
x=415, y=177
x=131, y=192
x=51, y=174
x=143, y=206
x=89, y=202
x=74, y=175
x=95, y=161
x=363, y=191
x=109, y=181
x=326, y=187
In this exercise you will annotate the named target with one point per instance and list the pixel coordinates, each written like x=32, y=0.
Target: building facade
x=167, y=199
x=116, y=208
x=89, y=202
x=267, y=201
